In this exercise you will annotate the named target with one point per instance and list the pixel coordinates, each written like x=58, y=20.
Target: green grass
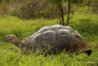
x=10, y=55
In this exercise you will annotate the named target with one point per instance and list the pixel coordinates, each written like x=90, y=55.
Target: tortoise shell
x=56, y=38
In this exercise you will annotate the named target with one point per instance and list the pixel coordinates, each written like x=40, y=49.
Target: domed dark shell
x=56, y=38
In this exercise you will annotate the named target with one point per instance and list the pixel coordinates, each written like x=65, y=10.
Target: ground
x=10, y=55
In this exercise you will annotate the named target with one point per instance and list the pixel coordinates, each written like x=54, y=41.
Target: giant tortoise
x=52, y=39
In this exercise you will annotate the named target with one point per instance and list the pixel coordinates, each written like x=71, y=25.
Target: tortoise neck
x=18, y=43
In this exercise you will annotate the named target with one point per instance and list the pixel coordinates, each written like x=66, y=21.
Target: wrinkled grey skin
x=54, y=39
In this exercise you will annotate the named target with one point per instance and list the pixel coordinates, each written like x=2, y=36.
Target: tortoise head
x=13, y=39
